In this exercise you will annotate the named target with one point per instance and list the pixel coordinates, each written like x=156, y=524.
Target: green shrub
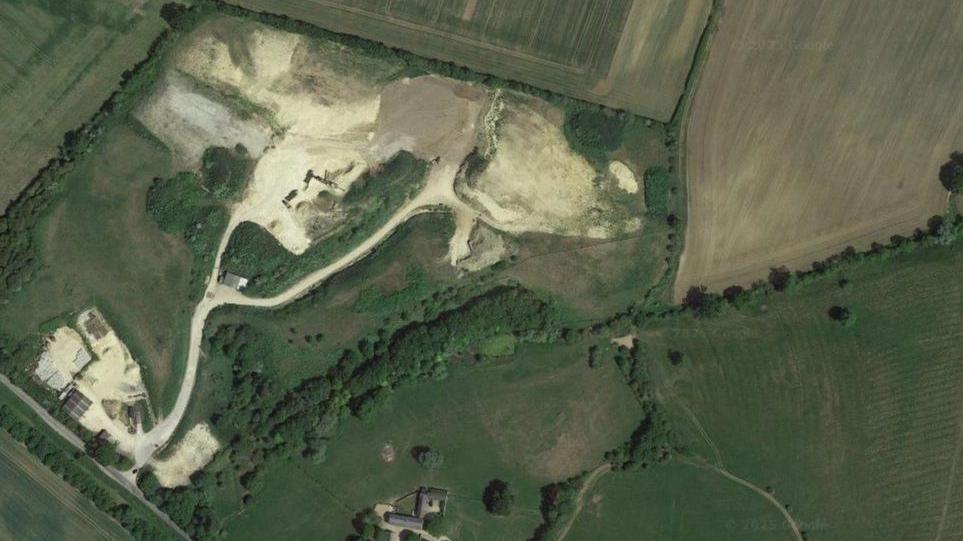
x=180, y=206
x=592, y=131
x=951, y=173
x=658, y=184
x=176, y=203
x=430, y=459
x=226, y=171
x=498, y=497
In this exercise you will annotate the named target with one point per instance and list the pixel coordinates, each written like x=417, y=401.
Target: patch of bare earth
x=193, y=452
x=535, y=182
x=485, y=248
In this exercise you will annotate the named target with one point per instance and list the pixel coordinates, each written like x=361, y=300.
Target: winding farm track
x=588, y=485
x=438, y=192
x=793, y=525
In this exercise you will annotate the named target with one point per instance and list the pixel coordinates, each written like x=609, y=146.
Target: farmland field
x=529, y=419
x=859, y=429
x=675, y=501
x=627, y=54
x=815, y=126
x=58, y=63
x=37, y=505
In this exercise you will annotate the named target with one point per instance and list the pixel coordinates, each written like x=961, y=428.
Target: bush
x=841, y=314
x=176, y=203
x=951, y=173
x=181, y=207
x=592, y=131
x=498, y=498
x=430, y=459
x=226, y=171
x=658, y=183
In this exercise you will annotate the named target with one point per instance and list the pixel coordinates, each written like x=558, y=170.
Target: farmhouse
x=232, y=281
x=430, y=500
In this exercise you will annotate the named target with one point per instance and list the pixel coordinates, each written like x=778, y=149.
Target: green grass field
x=675, y=501
x=99, y=247
x=37, y=505
x=528, y=419
x=58, y=63
x=598, y=51
x=858, y=429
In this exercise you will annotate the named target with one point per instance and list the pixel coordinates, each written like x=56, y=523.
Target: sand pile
x=192, y=453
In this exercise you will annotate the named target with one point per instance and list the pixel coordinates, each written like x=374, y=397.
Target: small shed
x=233, y=281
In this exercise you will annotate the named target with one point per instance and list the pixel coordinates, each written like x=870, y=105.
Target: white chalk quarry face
x=535, y=181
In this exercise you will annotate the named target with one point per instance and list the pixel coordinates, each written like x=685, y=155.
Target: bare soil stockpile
x=815, y=126
x=627, y=54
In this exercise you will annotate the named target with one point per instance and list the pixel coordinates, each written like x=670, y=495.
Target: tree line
x=264, y=422
x=67, y=464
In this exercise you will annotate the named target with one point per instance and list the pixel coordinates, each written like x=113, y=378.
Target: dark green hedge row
x=66, y=464
x=18, y=258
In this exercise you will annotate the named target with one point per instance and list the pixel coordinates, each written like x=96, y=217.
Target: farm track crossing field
x=35, y=504
x=627, y=54
x=816, y=126
x=858, y=429
x=675, y=501
x=58, y=63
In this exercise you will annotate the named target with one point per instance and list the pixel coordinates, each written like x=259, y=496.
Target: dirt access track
x=816, y=126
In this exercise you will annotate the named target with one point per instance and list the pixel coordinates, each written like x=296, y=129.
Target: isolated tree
x=498, y=497
x=842, y=315
x=429, y=458
x=676, y=357
x=951, y=173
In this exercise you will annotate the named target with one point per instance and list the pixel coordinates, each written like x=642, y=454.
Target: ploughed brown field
x=816, y=126
x=627, y=54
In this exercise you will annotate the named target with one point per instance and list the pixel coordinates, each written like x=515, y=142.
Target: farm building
x=233, y=281
x=64, y=356
x=430, y=500
x=76, y=404
x=404, y=521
